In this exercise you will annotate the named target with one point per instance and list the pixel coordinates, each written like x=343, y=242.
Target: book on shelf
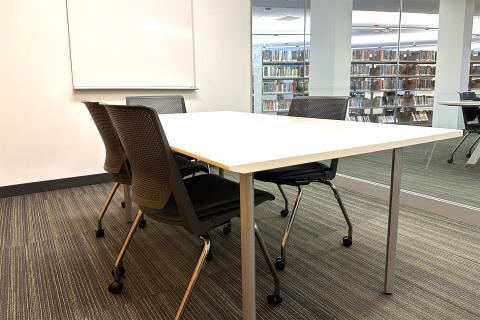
x=271, y=71
x=285, y=86
x=282, y=55
x=276, y=105
x=390, y=55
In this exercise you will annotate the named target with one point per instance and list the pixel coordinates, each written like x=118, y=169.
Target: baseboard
x=41, y=186
x=450, y=209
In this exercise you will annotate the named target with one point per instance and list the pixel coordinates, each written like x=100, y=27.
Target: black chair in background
x=334, y=108
x=198, y=204
x=116, y=162
x=471, y=121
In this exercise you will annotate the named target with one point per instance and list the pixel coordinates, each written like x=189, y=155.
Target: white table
x=475, y=156
x=246, y=143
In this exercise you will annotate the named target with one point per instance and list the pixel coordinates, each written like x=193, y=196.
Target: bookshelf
x=385, y=90
x=474, y=77
x=285, y=74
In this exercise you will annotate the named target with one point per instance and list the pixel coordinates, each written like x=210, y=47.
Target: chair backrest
x=321, y=107
x=467, y=95
x=469, y=113
x=155, y=175
x=115, y=157
x=161, y=104
x=333, y=108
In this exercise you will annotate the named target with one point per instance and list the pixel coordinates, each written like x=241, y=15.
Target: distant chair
x=198, y=204
x=334, y=108
x=161, y=104
x=471, y=121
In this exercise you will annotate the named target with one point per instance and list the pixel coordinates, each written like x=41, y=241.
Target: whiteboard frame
x=126, y=86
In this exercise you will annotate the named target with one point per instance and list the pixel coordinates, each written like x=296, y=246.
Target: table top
x=465, y=103
x=249, y=142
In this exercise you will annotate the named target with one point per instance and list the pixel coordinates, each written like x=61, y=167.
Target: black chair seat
x=298, y=174
x=188, y=167
x=213, y=198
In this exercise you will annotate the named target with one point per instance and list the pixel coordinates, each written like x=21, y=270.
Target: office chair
x=469, y=115
x=198, y=204
x=116, y=163
x=334, y=108
x=164, y=105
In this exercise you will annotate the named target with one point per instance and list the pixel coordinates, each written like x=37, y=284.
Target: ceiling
x=283, y=23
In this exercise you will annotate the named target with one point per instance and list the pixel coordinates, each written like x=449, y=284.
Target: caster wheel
x=227, y=229
x=122, y=204
x=280, y=264
x=284, y=212
x=121, y=272
x=468, y=155
x=450, y=161
x=274, y=299
x=347, y=241
x=115, y=287
x=100, y=233
x=142, y=224
x=210, y=256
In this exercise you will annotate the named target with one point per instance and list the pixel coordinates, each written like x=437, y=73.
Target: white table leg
x=394, y=207
x=474, y=157
x=247, y=236
x=128, y=203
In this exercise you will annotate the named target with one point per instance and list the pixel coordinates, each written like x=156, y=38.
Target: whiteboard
x=137, y=44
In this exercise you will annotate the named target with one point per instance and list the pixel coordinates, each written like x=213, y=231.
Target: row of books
x=285, y=86
x=391, y=55
x=403, y=84
x=474, y=84
x=390, y=101
x=282, y=55
x=286, y=71
x=475, y=69
x=391, y=70
x=276, y=105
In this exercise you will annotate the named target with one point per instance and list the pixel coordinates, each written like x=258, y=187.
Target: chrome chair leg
x=275, y=298
x=470, y=149
x=280, y=262
x=347, y=240
x=196, y=273
x=100, y=232
x=450, y=160
x=284, y=212
x=118, y=272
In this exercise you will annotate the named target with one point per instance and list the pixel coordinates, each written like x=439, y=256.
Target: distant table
x=475, y=156
x=246, y=143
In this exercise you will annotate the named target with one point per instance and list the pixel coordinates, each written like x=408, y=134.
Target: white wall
x=46, y=133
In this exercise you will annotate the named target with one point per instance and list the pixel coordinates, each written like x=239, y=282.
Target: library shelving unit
x=474, y=79
x=389, y=91
x=285, y=74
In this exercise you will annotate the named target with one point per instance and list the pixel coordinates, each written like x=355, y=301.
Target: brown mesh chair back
x=161, y=104
x=115, y=157
x=155, y=175
x=333, y=108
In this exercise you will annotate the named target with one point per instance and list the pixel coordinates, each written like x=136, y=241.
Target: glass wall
x=392, y=80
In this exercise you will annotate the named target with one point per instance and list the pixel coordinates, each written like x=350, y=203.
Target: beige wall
x=45, y=133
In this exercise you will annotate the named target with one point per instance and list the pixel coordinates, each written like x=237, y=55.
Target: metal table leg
x=129, y=216
x=394, y=206
x=221, y=172
x=474, y=157
x=247, y=236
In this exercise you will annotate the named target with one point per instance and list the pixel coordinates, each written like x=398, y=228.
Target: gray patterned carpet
x=53, y=267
